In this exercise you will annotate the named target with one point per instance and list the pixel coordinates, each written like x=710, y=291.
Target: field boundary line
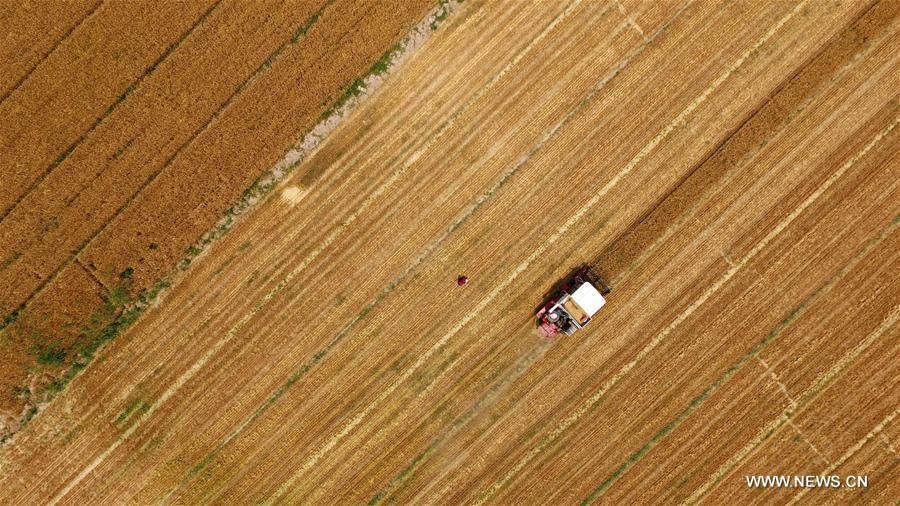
x=591, y=401
x=430, y=248
x=265, y=183
x=677, y=122
x=787, y=321
x=121, y=98
x=539, y=251
x=877, y=430
x=787, y=415
x=53, y=49
x=236, y=328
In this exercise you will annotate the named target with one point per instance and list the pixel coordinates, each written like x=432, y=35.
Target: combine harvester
x=571, y=308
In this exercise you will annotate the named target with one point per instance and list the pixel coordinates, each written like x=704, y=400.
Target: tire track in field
x=50, y=52
x=804, y=399
x=784, y=324
x=461, y=218
x=519, y=368
x=749, y=122
x=733, y=269
x=586, y=406
x=125, y=94
x=884, y=423
x=577, y=216
x=284, y=282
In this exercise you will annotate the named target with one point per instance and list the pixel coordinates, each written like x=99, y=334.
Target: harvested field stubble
x=738, y=165
x=847, y=250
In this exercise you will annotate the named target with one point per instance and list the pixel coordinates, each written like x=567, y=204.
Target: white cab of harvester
x=574, y=305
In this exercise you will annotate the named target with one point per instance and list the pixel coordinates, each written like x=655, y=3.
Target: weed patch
x=135, y=406
x=52, y=356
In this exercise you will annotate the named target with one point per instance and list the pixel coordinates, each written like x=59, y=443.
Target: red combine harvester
x=573, y=305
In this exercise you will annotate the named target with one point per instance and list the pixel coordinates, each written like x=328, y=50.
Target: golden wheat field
x=232, y=233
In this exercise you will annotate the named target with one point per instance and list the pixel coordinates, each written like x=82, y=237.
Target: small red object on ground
x=462, y=280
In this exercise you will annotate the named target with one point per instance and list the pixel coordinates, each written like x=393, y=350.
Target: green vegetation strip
x=136, y=406
x=400, y=478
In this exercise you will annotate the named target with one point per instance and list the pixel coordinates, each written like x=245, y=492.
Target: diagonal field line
x=677, y=122
x=810, y=394
x=192, y=371
x=47, y=55
x=852, y=451
x=591, y=401
x=753, y=353
x=128, y=91
x=587, y=405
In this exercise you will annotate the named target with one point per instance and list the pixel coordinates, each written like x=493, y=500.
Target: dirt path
x=305, y=358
